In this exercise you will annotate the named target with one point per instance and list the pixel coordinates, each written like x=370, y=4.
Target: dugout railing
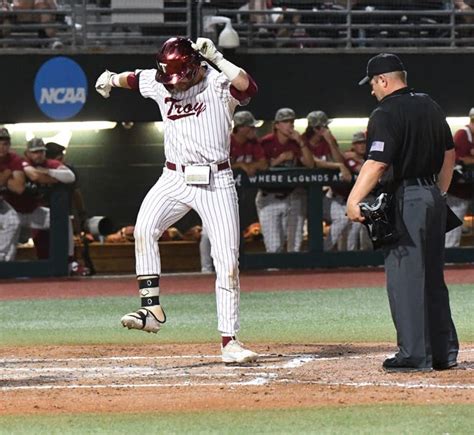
x=57, y=263
x=315, y=256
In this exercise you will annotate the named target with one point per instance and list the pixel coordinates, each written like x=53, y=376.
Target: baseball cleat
x=234, y=352
x=144, y=319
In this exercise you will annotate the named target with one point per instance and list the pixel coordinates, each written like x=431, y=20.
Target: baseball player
x=30, y=205
x=55, y=151
x=327, y=155
x=357, y=236
x=246, y=154
x=459, y=193
x=26, y=202
x=12, y=179
x=197, y=103
x=281, y=212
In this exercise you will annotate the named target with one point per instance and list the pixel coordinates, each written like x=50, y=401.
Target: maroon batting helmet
x=177, y=60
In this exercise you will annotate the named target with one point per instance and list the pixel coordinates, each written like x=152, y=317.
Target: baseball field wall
x=37, y=88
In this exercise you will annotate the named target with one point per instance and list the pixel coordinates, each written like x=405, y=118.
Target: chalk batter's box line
x=131, y=358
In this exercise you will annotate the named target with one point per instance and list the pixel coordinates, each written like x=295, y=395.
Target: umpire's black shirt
x=409, y=131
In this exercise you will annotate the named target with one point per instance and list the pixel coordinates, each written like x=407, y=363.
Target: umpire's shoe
x=398, y=365
x=145, y=319
x=235, y=352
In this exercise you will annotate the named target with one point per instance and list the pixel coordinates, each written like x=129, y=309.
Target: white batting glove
x=208, y=50
x=103, y=85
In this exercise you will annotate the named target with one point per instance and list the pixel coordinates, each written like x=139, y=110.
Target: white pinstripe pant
x=9, y=231
x=459, y=206
x=298, y=200
x=13, y=222
x=334, y=210
x=217, y=205
x=272, y=209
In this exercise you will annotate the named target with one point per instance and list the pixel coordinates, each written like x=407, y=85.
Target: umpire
x=409, y=142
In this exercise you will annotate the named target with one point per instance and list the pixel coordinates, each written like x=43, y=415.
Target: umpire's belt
x=220, y=166
x=420, y=181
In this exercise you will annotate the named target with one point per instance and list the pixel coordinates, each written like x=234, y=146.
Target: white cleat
x=234, y=352
x=144, y=319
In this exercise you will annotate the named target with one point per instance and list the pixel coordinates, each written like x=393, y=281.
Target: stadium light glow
x=39, y=127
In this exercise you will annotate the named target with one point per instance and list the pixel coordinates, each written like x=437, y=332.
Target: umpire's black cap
x=380, y=64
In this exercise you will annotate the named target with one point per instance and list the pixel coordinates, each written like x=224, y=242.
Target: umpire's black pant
x=417, y=292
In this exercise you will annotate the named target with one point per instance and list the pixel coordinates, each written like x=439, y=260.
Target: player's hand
x=345, y=173
x=353, y=213
x=206, y=48
x=326, y=133
x=295, y=136
x=103, y=85
x=251, y=170
x=287, y=155
x=4, y=176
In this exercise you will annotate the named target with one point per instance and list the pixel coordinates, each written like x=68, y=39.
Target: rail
x=142, y=25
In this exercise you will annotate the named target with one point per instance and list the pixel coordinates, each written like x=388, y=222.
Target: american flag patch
x=377, y=145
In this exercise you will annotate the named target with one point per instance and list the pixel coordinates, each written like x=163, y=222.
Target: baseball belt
x=220, y=166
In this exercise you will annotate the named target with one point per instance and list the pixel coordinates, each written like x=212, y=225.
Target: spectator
x=358, y=236
x=12, y=182
x=278, y=215
x=327, y=155
x=464, y=6
x=257, y=5
x=5, y=20
x=46, y=18
x=77, y=211
x=30, y=205
x=459, y=193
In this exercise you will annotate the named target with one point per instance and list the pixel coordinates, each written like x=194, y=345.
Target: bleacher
x=116, y=25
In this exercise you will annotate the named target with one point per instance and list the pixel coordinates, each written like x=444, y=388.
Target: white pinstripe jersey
x=197, y=122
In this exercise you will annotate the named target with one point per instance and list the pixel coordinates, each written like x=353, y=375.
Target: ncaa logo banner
x=60, y=88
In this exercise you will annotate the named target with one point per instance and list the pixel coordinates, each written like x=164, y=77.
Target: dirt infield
x=174, y=377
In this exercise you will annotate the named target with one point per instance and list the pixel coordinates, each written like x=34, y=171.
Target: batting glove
x=206, y=48
x=103, y=85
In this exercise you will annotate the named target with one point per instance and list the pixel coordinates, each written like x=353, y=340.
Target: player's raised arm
x=108, y=80
x=239, y=79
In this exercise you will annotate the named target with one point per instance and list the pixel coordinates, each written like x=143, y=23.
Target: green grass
x=347, y=315
x=373, y=419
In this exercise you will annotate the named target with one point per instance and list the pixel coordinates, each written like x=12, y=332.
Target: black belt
x=420, y=181
x=220, y=166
